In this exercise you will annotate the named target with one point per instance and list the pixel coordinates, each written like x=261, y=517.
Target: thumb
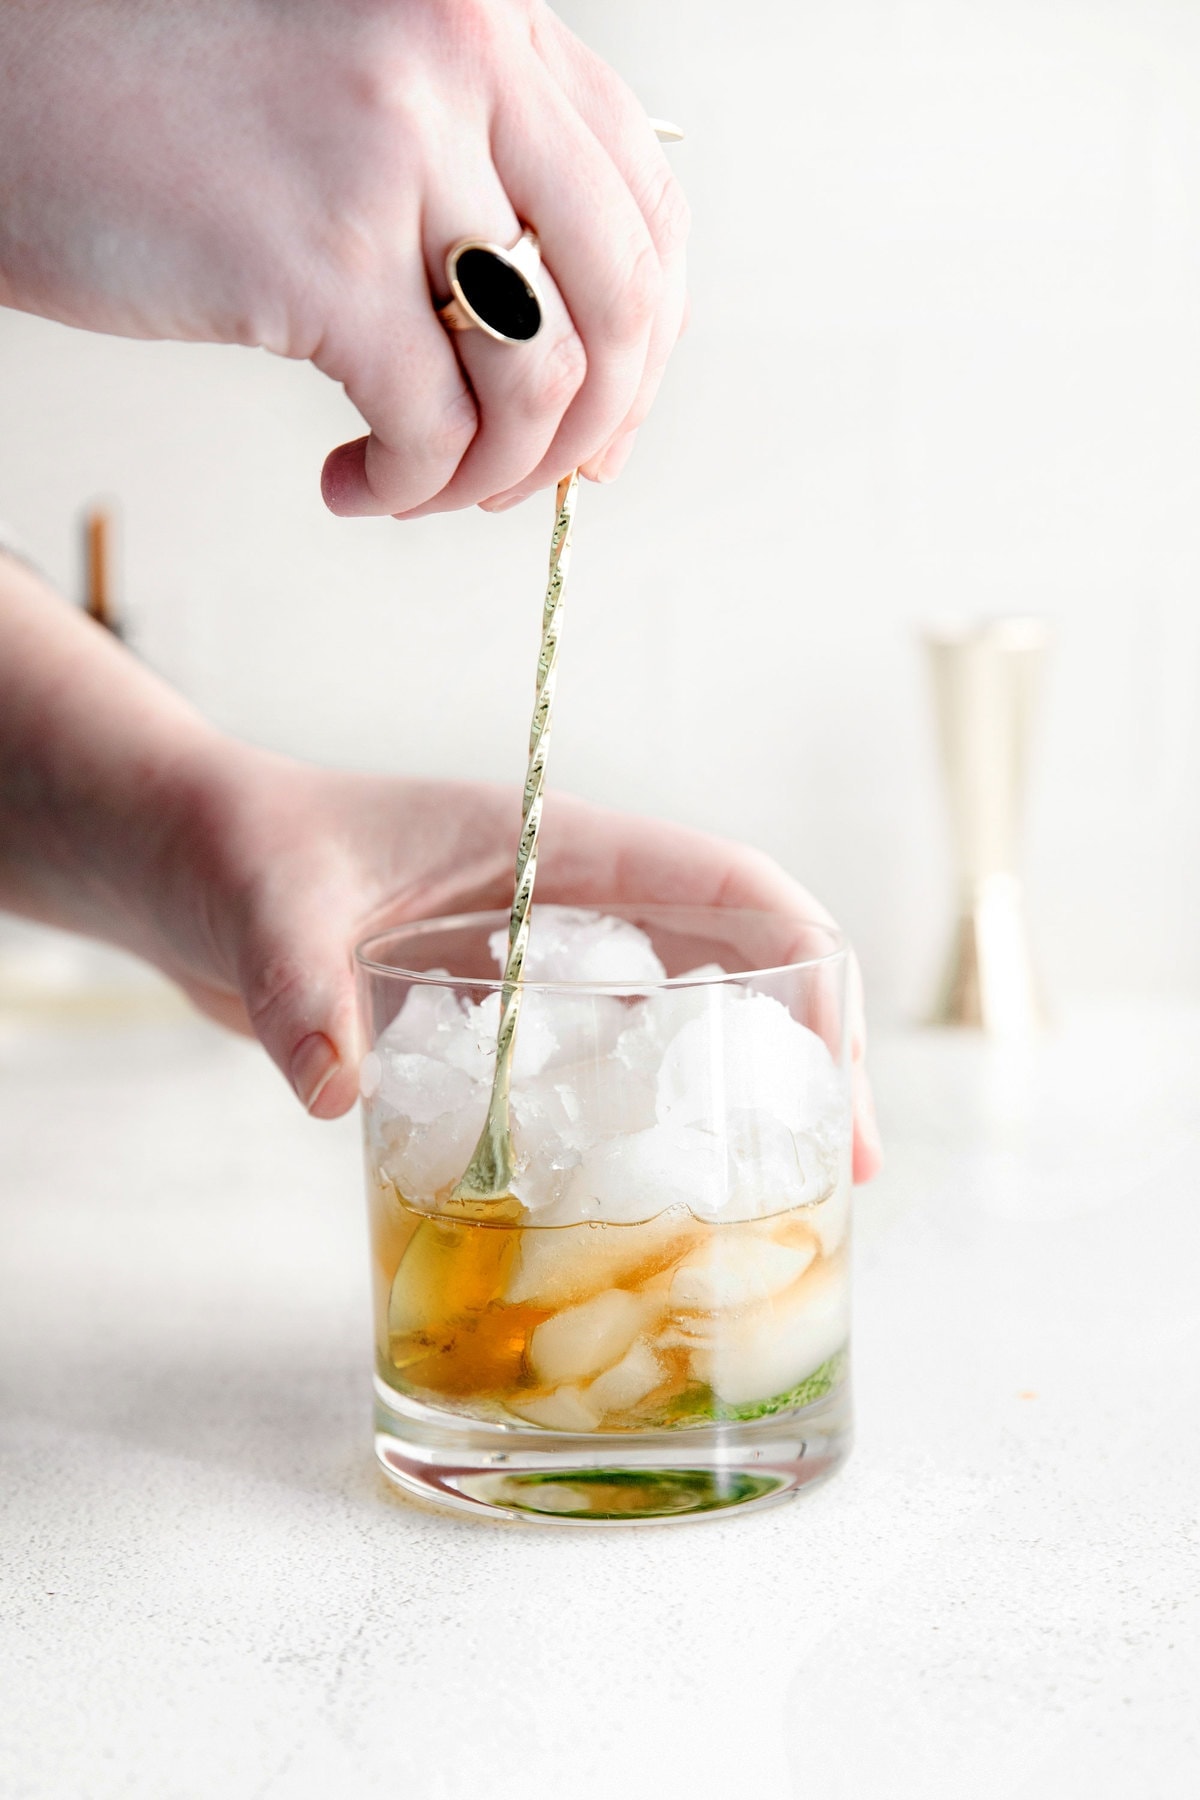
x=411, y=391
x=297, y=986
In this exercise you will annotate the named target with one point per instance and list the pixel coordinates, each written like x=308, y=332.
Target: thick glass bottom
x=608, y=1478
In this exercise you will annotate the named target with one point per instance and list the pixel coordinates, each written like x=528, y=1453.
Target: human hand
x=247, y=878
x=292, y=177
x=279, y=868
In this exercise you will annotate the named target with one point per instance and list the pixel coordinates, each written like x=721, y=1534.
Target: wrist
x=127, y=864
x=90, y=746
x=195, y=873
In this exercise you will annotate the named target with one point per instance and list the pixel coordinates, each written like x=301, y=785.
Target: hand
x=287, y=866
x=247, y=878
x=292, y=176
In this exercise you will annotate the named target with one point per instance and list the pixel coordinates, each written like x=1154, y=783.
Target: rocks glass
x=655, y=1323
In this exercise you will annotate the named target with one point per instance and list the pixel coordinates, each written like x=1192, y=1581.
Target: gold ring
x=494, y=289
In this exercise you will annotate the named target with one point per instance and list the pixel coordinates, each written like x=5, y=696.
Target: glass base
x=607, y=1478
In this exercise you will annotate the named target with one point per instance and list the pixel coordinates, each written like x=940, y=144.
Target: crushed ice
x=712, y=1096
x=567, y=943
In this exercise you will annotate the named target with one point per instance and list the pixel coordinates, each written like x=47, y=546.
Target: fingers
x=608, y=465
x=217, y=1004
x=572, y=154
x=286, y=942
x=592, y=856
x=401, y=372
x=618, y=121
x=521, y=390
x=868, y=1148
x=596, y=245
x=298, y=993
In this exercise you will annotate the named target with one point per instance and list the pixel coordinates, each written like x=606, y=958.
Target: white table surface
x=208, y=1591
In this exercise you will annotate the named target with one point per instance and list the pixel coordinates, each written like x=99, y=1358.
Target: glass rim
x=369, y=964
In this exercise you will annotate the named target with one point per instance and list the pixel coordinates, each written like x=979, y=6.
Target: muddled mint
x=814, y=1387
x=624, y=1494
x=697, y=1404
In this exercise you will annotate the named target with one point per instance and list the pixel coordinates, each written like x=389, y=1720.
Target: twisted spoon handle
x=489, y=1174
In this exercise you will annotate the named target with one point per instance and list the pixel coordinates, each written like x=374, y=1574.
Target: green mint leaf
x=698, y=1404
x=813, y=1387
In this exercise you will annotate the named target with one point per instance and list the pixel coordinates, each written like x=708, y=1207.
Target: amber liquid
x=596, y=1327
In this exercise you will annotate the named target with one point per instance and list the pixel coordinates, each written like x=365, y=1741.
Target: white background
x=945, y=357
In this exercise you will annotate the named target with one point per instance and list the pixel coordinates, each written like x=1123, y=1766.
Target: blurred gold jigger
x=985, y=681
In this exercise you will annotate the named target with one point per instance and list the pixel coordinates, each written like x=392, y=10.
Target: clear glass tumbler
x=655, y=1324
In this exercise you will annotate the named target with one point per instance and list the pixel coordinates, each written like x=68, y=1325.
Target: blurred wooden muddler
x=97, y=564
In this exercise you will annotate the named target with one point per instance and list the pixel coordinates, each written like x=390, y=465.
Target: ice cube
x=777, y=1344
x=433, y=1022
x=438, y=1106
x=575, y=1027
x=653, y=1022
x=423, y=1159
x=557, y=1265
x=830, y=1220
x=427, y=1014
x=645, y=1037
x=752, y=1055
x=637, y=1374
x=772, y=1169
x=636, y=1177
x=613, y=1100
x=568, y=943
x=703, y=972
x=566, y=1409
x=536, y=1042
x=736, y=1270
x=544, y=1129
x=548, y=1119
x=585, y=1340
x=422, y=1089
x=585, y=1026
x=583, y=1103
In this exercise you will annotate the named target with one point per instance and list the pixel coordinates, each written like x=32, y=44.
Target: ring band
x=494, y=289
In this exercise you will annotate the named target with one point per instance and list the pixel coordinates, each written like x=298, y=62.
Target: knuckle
x=480, y=23
x=274, y=984
x=636, y=302
x=454, y=430
x=377, y=49
x=439, y=444
x=668, y=216
x=557, y=379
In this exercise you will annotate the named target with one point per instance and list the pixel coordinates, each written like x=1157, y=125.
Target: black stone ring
x=494, y=289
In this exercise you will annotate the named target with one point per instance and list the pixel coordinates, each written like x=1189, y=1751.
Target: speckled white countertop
x=208, y=1590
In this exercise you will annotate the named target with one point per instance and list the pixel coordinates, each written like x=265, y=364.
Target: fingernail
x=314, y=1062
x=503, y=504
x=616, y=456
x=343, y=484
